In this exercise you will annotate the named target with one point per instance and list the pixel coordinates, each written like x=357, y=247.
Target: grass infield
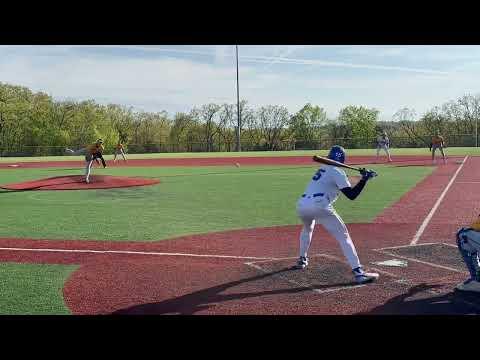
x=32, y=289
x=188, y=200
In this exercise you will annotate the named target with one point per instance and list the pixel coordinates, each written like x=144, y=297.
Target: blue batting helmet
x=337, y=153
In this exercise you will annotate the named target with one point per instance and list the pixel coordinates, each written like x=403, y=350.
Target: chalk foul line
x=426, y=221
x=127, y=252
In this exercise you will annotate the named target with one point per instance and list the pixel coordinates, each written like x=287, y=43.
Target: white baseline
x=437, y=204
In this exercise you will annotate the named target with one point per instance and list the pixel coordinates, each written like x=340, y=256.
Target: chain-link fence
x=464, y=140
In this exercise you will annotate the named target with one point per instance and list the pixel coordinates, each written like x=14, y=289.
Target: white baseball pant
x=384, y=148
x=119, y=152
x=313, y=210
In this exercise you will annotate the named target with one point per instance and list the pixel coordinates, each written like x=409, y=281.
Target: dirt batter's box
x=443, y=256
x=325, y=273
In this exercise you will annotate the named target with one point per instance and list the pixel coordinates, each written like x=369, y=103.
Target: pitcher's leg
x=88, y=169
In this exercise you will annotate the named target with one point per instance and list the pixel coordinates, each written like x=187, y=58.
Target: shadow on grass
x=4, y=191
x=192, y=303
x=453, y=303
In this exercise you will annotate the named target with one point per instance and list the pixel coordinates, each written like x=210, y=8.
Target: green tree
x=307, y=124
x=360, y=123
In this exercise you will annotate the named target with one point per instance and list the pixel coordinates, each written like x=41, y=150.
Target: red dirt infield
x=403, y=160
x=77, y=182
x=248, y=271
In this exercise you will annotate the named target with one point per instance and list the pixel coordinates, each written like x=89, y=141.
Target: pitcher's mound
x=77, y=182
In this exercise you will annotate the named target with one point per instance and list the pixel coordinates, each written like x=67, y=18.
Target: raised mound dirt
x=77, y=182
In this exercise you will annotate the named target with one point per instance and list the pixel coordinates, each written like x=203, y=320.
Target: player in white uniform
x=315, y=206
x=383, y=143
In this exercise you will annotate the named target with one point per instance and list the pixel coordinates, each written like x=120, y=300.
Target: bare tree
x=208, y=115
x=273, y=121
x=226, y=125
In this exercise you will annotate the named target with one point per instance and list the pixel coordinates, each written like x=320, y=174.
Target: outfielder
x=119, y=150
x=468, y=241
x=437, y=143
x=92, y=152
x=315, y=206
x=383, y=143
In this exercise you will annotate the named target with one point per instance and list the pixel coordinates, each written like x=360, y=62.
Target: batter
x=315, y=206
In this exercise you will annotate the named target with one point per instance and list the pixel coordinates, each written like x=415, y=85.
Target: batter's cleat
x=362, y=277
x=470, y=285
x=87, y=181
x=302, y=263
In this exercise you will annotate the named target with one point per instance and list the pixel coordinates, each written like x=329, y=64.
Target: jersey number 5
x=318, y=174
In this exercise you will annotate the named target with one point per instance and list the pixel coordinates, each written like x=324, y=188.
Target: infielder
x=437, y=143
x=315, y=206
x=92, y=152
x=468, y=241
x=383, y=143
x=119, y=150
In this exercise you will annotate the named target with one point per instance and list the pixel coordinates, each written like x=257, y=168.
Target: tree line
x=33, y=123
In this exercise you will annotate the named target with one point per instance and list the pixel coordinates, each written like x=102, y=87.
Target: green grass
x=187, y=201
x=32, y=289
x=351, y=152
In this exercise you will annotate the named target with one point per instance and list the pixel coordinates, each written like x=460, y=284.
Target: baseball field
x=218, y=233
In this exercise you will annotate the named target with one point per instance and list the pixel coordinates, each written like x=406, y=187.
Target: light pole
x=238, y=107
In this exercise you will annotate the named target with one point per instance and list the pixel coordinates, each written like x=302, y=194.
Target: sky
x=177, y=78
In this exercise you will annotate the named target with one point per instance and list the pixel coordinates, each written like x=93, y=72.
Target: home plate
x=14, y=165
x=393, y=262
x=459, y=162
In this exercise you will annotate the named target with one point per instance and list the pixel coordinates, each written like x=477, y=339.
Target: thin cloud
x=148, y=48
x=289, y=50
x=269, y=59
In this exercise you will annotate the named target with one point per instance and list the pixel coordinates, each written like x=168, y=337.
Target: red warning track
x=288, y=160
x=248, y=271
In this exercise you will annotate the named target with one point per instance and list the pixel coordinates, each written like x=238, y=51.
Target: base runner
x=119, y=150
x=92, y=152
x=383, y=143
x=315, y=206
x=468, y=241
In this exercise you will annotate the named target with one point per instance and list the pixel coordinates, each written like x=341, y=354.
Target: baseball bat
x=327, y=161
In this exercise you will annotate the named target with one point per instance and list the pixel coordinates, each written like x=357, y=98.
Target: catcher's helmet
x=337, y=153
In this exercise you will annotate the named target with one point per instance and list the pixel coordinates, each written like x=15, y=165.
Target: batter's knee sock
x=305, y=240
